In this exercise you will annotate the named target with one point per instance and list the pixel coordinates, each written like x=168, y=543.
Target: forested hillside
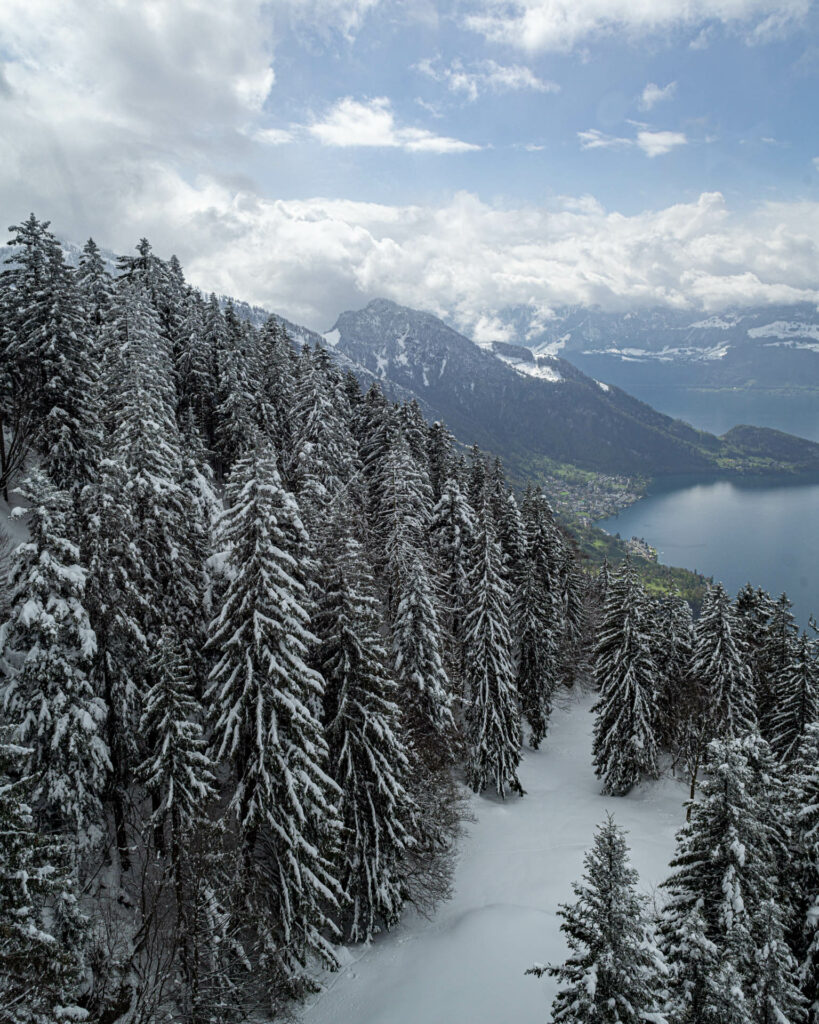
x=259, y=630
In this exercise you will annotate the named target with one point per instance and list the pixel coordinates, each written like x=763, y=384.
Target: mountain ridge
x=543, y=407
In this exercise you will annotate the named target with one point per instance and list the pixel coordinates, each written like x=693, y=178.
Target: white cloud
x=592, y=138
x=351, y=122
x=273, y=136
x=816, y=162
x=659, y=143
x=486, y=76
x=560, y=25
x=309, y=259
x=652, y=143
x=654, y=94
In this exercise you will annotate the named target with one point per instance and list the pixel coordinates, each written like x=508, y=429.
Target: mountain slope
x=761, y=347
x=524, y=408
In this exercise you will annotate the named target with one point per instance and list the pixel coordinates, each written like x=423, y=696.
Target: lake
x=761, y=530
x=719, y=410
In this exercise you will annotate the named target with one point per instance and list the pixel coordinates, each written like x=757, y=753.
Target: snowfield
x=518, y=861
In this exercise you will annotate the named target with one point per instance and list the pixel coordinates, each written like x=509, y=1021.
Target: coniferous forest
x=263, y=629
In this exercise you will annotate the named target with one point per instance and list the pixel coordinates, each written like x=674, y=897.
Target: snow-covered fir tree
x=367, y=755
x=719, y=668
x=615, y=972
x=451, y=535
x=803, y=801
x=264, y=699
x=41, y=926
x=47, y=648
x=493, y=731
x=797, y=691
x=625, y=746
x=725, y=881
x=536, y=618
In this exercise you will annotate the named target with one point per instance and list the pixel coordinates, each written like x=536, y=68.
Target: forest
x=263, y=630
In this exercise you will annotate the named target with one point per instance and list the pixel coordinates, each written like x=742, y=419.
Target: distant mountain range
x=763, y=347
x=531, y=408
x=559, y=392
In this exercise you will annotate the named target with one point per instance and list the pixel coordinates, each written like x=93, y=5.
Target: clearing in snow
x=466, y=965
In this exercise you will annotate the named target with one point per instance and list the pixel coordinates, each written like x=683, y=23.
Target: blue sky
x=737, y=112
x=461, y=156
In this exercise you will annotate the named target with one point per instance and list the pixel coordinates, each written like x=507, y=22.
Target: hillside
x=517, y=863
x=532, y=410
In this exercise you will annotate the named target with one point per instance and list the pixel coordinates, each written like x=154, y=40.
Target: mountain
x=763, y=347
x=529, y=408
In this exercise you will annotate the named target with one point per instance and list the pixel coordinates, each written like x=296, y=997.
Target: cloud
x=654, y=94
x=351, y=122
x=309, y=259
x=659, y=143
x=273, y=136
x=652, y=143
x=486, y=76
x=592, y=138
x=561, y=25
x=816, y=162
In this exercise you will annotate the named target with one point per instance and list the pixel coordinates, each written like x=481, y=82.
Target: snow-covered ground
x=466, y=965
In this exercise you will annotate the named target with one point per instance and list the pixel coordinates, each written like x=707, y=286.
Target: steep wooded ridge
x=526, y=408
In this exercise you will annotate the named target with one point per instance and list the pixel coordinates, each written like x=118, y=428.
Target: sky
x=459, y=156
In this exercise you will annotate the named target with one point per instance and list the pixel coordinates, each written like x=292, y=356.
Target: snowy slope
x=517, y=863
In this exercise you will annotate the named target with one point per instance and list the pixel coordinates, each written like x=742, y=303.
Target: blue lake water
x=760, y=530
x=718, y=411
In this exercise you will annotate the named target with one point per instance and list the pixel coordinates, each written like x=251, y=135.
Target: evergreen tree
x=440, y=458
x=451, y=535
x=719, y=668
x=49, y=647
x=41, y=927
x=625, y=747
x=534, y=615
x=95, y=285
x=803, y=800
x=614, y=974
x=263, y=696
x=177, y=770
x=672, y=651
x=423, y=684
x=367, y=758
x=493, y=722
x=797, y=698
x=726, y=872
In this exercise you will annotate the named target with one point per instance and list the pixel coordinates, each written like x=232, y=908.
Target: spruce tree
x=725, y=870
x=451, y=535
x=264, y=699
x=41, y=927
x=615, y=973
x=719, y=668
x=797, y=689
x=803, y=800
x=49, y=649
x=493, y=721
x=367, y=759
x=625, y=746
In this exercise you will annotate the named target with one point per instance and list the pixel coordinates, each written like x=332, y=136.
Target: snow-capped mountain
x=770, y=346
x=525, y=407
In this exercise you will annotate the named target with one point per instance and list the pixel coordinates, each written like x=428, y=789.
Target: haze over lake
x=758, y=530
x=718, y=410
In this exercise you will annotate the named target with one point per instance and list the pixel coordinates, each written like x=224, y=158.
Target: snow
x=602, y=386
x=664, y=355
x=332, y=337
x=717, y=323
x=787, y=330
x=527, y=369
x=517, y=864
